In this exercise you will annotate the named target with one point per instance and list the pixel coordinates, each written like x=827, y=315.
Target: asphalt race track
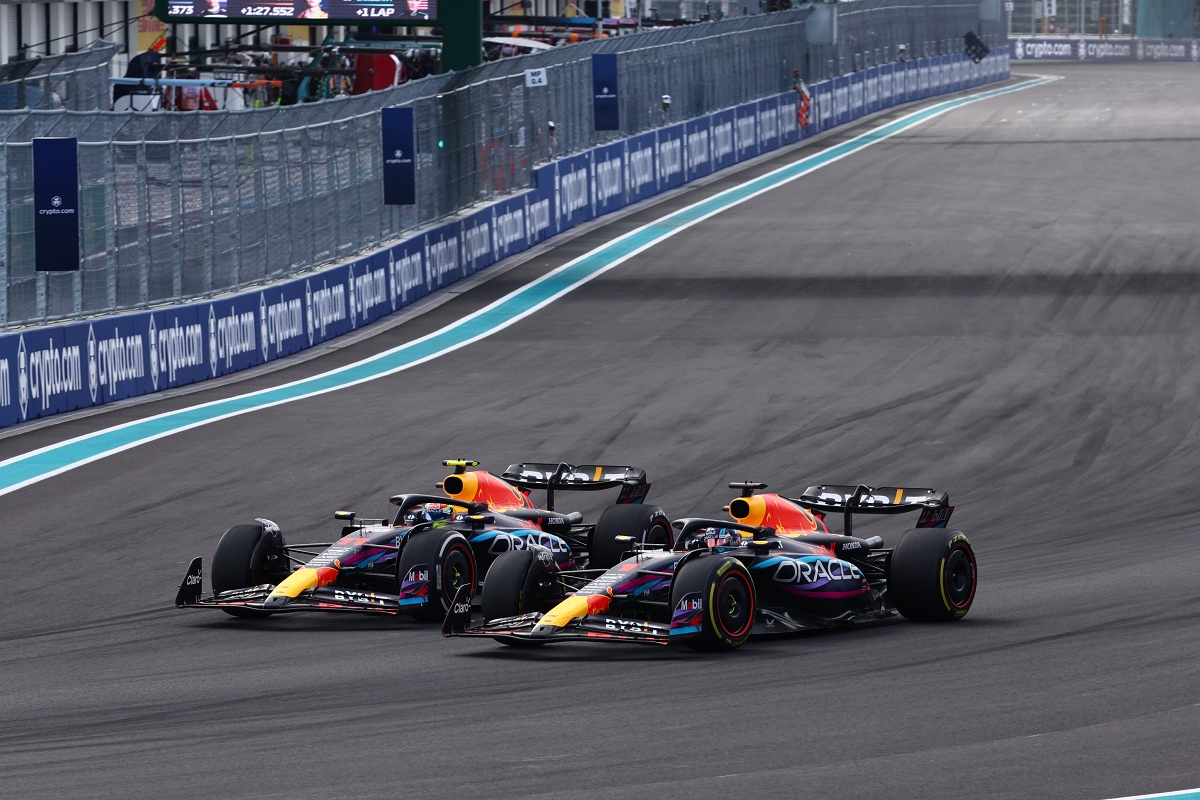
x=1003, y=303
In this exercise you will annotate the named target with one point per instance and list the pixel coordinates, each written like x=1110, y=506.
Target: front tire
x=248, y=555
x=445, y=558
x=932, y=575
x=646, y=524
x=725, y=591
x=513, y=586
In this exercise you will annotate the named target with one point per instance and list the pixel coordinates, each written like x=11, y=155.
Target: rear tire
x=447, y=556
x=724, y=587
x=248, y=556
x=646, y=524
x=932, y=575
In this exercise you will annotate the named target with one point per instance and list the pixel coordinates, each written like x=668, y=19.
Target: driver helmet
x=708, y=538
x=429, y=512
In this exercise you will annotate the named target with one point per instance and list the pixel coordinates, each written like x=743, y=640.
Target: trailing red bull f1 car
x=437, y=544
x=775, y=568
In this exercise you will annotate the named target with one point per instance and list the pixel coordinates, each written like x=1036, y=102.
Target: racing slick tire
x=446, y=557
x=247, y=555
x=932, y=575
x=646, y=524
x=513, y=586
x=509, y=585
x=726, y=593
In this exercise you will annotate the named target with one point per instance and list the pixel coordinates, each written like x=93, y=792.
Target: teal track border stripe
x=1182, y=794
x=38, y=465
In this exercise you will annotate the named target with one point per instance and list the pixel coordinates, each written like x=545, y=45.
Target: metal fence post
x=5, y=233
x=176, y=222
x=235, y=202
x=143, y=225
x=208, y=231
x=110, y=227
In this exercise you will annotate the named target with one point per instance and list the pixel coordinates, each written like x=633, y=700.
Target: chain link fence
x=1165, y=19
x=185, y=204
x=76, y=81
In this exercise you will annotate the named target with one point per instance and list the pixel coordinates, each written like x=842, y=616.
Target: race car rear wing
x=585, y=478
x=862, y=499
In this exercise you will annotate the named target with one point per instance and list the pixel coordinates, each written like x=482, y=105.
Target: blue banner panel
x=119, y=358
x=923, y=70
x=281, y=324
x=326, y=305
x=887, y=92
x=56, y=205
x=475, y=238
x=539, y=215
x=233, y=333
x=640, y=169
x=509, y=233
x=856, y=95
x=543, y=212
x=608, y=178
x=399, y=151
x=406, y=268
x=745, y=131
x=10, y=403
x=50, y=366
x=442, y=266
x=768, y=125
x=901, y=82
x=670, y=157
x=572, y=191
x=176, y=341
x=367, y=282
x=824, y=106
x=841, y=100
x=697, y=148
x=721, y=130
x=605, y=108
x=788, y=112
x=871, y=90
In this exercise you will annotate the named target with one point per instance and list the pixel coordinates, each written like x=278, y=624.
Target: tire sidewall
x=918, y=577
x=432, y=550
x=710, y=576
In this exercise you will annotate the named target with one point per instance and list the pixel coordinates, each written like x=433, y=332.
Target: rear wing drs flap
x=934, y=506
x=585, y=477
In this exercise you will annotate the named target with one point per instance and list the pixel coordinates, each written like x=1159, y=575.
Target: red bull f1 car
x=774, y=568
x=435, y=545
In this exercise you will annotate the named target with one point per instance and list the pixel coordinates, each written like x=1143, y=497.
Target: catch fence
x=177, y=205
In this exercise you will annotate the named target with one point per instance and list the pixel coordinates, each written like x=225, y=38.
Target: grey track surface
x=1003, y=303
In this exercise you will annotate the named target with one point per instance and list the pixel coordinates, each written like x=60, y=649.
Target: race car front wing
x=526, y=628
x=258, y=598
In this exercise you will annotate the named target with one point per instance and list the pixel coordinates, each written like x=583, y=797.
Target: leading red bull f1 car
x=437, y=544
x=775, y=568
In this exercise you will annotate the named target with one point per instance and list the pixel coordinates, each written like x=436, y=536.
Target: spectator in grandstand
x=312, y=10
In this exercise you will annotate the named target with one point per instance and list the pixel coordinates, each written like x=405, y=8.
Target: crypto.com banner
x=1053, y=49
